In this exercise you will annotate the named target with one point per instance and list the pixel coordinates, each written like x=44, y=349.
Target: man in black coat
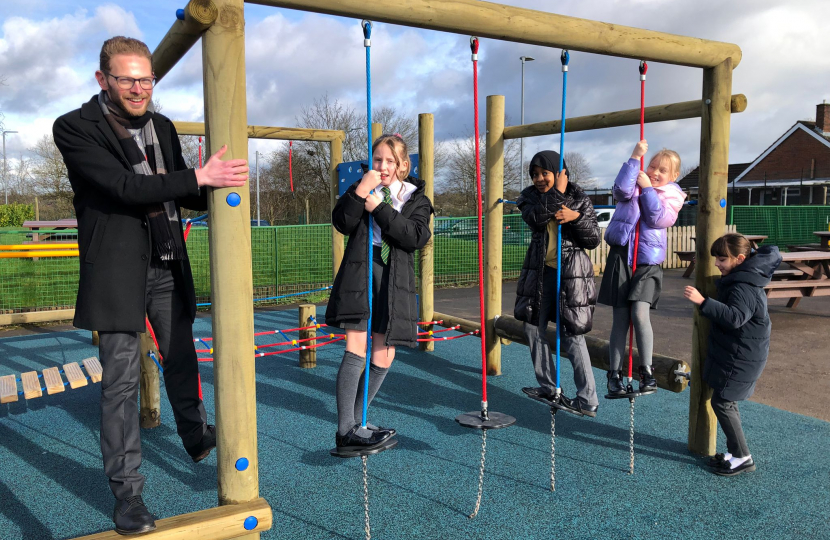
x=126, y=168
x=551, y=201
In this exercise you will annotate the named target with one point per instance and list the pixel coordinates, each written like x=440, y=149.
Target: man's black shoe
x=380, y=429
x=717, y=460
x=724, y=469
x=577, y=406
x=615, y=384
x=132, y=517
x=208, y=443
x=352, y=440
x=647, y=382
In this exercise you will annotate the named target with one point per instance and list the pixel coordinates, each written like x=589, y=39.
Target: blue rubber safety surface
x=52, y=484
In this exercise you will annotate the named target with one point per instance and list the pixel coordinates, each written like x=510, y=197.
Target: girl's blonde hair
x=672, y=156
x=398, y=146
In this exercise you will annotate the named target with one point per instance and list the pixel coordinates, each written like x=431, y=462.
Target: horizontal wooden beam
x=199, y=15
x=448, y=321
x=664, y=366
x=31, y=317
x=630, y=117
x=508, y=23
x=265, y=132
x=220, y=523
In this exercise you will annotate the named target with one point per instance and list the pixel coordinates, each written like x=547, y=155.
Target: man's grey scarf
x=163, y=220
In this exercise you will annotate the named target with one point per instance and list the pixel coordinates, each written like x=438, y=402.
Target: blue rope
x=367, y=42
x=565, y=59
x=505, y=201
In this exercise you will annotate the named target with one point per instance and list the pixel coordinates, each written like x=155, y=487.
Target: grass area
x=286, y=259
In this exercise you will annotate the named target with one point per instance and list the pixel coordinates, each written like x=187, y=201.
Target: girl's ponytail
x=732, y=245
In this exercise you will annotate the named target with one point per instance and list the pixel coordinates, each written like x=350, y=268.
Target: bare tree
x=190, y=150
x=50, y=177
x=579, y=170
x=685, y=170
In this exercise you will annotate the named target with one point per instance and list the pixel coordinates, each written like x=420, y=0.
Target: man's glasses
x=125, y=83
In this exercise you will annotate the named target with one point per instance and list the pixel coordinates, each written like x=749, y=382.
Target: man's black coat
x=110, y=203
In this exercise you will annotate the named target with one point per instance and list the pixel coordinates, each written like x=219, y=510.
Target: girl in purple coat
x=653, y=199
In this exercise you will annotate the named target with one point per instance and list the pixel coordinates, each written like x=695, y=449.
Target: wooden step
x=31, y=385
x=93, y=367
x=52, y=379
x=8, y=389
x=74, y=375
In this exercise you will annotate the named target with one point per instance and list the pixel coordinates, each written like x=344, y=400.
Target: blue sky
x=49, y=48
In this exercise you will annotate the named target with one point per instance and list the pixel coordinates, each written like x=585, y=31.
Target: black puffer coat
x=578, y=295
x=406, y=231
x=739, y=337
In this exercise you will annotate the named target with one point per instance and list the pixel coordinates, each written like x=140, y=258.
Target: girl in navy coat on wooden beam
x=738, y=339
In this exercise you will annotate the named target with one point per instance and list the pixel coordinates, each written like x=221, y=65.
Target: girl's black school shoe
x=352, y=440
x=717, y=460
x=724, y=469
x=615, y=384
x=383, y=430
x=647, y=382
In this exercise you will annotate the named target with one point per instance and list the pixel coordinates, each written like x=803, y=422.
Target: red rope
x=287, y=350
x=200, y=152
x=474, y=48
x=290, y=167
x=643, y=70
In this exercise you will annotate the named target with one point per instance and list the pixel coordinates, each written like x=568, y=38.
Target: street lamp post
x=521, y=141
x=5, y=177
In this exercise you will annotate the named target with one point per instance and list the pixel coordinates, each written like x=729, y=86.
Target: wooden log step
x=74, y=375
x=53, y=380
x=8, y=389
x=93, y=367
x=31, y=385
x=220, y=523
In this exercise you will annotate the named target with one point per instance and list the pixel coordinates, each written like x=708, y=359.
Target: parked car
x=260, y=223
x=604, y=216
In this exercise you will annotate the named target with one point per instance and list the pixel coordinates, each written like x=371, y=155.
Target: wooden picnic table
x=689, y=256
x=809, y=275
x=59, y=225
x=822, y=245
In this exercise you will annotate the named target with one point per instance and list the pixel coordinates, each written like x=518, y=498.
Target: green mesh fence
x=39, y=283
x=784, y=225
x=286, y=260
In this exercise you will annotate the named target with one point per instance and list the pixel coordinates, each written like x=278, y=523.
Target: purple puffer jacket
x=659, y=211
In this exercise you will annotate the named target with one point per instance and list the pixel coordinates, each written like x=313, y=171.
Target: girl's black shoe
x=717, y=460
x=724, y=469
x=352, y=440
x=615, y=384
x=647, y=382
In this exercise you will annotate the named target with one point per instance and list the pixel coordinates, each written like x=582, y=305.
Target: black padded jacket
x=406, y=231
x=578, y=295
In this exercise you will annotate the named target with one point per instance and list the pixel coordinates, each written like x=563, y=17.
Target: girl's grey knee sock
x=376, y=376
x=348, y=379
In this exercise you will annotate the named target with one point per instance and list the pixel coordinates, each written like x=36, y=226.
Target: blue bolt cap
x=250, y=523
x=241, y=464
x=180, y=14
x=723, y=203
x=234, y=199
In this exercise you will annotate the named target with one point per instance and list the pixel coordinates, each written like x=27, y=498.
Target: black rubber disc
x=354, y=451
x=474, y=420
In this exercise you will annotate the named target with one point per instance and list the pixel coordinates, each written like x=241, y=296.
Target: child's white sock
x=727, y=456
x=737, y=461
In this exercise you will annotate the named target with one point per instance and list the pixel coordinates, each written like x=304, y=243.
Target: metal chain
x=480, y=473
x=631, y=439
x=366, y=527
x=553, y=444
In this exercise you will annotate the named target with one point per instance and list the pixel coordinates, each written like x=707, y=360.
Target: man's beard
x=118, y=99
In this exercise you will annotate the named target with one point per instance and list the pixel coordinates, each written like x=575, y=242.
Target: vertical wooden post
x=711, y=223
x=494, y=219
x=37, y=209
x=96, y=339
x=149, y=395
x=308, y=313
x=426, y=171
x=337, y=247
x=226, y=122
x=377, y=131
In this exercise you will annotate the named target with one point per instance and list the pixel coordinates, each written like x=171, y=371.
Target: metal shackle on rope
x=474, y=48
x=565, y=58
x=643, y=70
x=367, y=32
